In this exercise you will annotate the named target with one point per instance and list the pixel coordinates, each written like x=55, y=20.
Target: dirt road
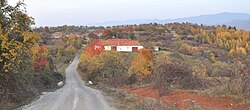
x=73, y=96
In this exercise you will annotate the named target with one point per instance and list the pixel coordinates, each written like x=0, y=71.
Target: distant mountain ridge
x=240, y=20
x=241, y=24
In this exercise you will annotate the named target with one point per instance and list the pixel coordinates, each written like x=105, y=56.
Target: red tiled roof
x=120, y=42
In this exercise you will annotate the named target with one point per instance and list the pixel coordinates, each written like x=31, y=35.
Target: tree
x=69, y=53
x=93, y=49
x=93, y=36
x=129, y=28
x=40, y=59
x=16, y=37
x=131, y=36
x=14, y=18
x=142, y=64
x=106, y=67
x=106, y=34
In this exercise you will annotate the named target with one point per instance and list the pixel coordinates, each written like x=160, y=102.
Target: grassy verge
x=119, y=98
x=61, y=68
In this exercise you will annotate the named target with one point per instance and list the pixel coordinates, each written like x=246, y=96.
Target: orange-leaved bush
x=93, y=49
x=39, y=57
x=142, y=64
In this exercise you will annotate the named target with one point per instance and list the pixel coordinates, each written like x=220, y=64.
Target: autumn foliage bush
x=14, y=52
x=114, y=68
x=39, y=57
x=189, y=50
x=68, y=53
x=177, y=74
x=142, y=64
x=105, y=68
x=89, y=53
x=20, y=55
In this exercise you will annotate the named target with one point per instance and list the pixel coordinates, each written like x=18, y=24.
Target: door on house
x=134, y=49
x=114, y=48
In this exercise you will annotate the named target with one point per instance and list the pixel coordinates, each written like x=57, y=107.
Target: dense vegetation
x=211, y=59
x=214, y=59
x=27, y=66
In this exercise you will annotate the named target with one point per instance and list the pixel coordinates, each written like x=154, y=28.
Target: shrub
x=106, y=68
x=220, y=69
x=152, y=104
x=239, y=82
x=20, y=88
x=142, y=64
x=176, y=73
x=69, y=53
x=189, y=50
x=199, y=70
x=40, y=60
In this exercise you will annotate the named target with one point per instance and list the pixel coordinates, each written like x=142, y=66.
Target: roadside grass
x=119, y=99
x=152, y=104
x=61, y=68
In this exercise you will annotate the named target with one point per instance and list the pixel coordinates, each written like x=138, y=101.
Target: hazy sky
x=84, y=12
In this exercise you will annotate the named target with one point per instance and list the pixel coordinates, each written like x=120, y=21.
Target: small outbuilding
x=156, y=48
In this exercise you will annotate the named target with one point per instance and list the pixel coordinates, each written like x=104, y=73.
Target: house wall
x=107, y=48
x=122, y=48
x=127, y=48
x=97, y=47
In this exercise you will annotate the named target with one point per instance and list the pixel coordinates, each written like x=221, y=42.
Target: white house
x=121, y=45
